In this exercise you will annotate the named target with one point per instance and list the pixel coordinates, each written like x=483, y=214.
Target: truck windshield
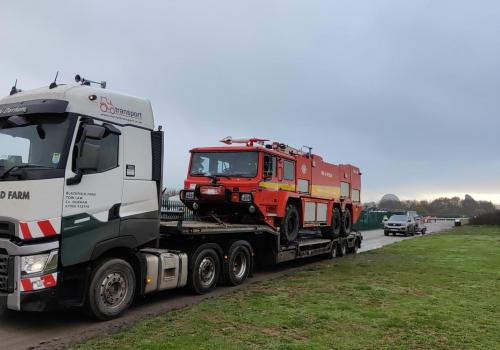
x=33, y=142
x=229, y=164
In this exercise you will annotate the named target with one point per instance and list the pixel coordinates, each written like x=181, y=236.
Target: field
x=439, y=292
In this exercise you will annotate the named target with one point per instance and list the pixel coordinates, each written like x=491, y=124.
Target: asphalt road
x=58, y=330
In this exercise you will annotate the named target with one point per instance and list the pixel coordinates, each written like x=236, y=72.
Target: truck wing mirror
x=96, y=132
x=89, y=157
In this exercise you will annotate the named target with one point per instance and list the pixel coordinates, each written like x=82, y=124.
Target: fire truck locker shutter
x=344, y=190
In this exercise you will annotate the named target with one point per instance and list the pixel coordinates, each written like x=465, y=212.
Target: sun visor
x=33, y=107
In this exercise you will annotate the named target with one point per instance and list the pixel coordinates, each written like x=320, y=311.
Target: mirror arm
x=75, y=180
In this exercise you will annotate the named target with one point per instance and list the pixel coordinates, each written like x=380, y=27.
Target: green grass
x=435, y=292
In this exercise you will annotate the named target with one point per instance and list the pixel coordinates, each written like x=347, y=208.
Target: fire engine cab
x=252, y=180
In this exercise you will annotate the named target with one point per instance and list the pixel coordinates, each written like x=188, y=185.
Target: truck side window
x=269, y=166
x=288, y=170
x=108, y=154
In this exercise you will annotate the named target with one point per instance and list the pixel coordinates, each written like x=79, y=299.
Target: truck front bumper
x=21, y=298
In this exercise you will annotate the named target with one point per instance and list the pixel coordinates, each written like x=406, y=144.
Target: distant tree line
x=443, y=207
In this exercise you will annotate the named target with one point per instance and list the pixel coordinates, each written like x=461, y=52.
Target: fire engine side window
x=288, y=170
x=108, y=153
x=269, y=166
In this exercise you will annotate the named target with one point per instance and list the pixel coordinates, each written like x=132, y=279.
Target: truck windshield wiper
x=26, y=166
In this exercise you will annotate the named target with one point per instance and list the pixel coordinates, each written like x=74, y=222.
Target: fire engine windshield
x=229, y=164
x=31, y=144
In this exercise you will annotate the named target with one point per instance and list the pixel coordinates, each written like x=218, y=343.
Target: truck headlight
x=246, y=197
x=41, y=263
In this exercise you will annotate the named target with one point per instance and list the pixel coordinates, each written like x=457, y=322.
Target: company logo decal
x=13, y=110
x=13, y=195
x=304, y=169
x=109, y=109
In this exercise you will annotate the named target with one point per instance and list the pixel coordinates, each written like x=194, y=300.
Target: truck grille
x=6, y=228
x=6, y=271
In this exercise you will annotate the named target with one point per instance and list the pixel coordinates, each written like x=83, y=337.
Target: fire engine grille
x=6, y=270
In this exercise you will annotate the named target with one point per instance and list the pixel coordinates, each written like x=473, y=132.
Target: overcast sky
x=406, y=90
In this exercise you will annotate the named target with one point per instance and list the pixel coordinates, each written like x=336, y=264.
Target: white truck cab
x=80, y=173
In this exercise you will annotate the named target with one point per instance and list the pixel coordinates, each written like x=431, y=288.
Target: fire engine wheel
x=289, y=227
x=111, y=289
x=346, y=227
x=205, y=271
x=333, y=230
x=238, y=264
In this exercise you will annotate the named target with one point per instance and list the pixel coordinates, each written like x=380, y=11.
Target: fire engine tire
x=342, y=248
x=111, y=290
x=346, y=227
x=333, y=231
x=204, y=273
x=238, y=264
x=289, y=228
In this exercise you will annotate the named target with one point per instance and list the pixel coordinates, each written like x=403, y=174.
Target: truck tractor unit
x=273, y=184
x=80, y=205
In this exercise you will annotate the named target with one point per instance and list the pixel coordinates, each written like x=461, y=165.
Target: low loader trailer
x=80, y=210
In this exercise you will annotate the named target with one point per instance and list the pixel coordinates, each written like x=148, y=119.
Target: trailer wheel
x=333, y=230
x=346, y=227
x=289, y=228
x=111, y=290
x=342, y=248
x=354, y=248
x=332, y=254
x=239, y=263
x=205, y=271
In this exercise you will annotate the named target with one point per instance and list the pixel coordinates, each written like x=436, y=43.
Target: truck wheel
x=289, y=228
x=111, y=290
x=346, y=227
x=424, y=231
x=239, y=263
x=205, y=271
x=333, y=230
x=386, y=233
x=342, y=248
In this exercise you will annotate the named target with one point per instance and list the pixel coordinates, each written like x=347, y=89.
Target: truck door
x=91, y=206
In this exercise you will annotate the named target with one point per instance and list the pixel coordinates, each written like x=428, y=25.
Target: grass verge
x=435, y=292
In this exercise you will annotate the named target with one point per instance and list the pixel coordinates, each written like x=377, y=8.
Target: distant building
x=390, y=198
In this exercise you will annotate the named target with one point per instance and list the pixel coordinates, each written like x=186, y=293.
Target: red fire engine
x=286, y=188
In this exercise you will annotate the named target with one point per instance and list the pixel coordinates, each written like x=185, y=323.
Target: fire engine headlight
x=246, y=197
x=189, y=195
x=42, y=263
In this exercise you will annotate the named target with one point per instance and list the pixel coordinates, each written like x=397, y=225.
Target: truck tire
x=111, y=290
x=204, y=273
x=333, y=231
x=386, y=233
x=238, y=264
x=346, y=227
x=424, y=231
x=289, y=228
x=342, y=248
